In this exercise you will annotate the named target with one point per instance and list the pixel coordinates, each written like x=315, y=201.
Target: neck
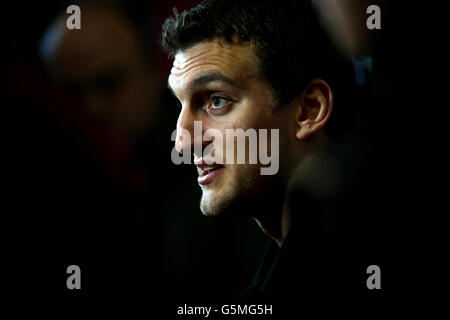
x=286, y=222
x=276, y=225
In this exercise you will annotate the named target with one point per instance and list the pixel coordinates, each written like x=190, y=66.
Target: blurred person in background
x=80, y=149
x=109, y=66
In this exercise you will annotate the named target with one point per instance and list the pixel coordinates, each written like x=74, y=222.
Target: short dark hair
x=287, y=36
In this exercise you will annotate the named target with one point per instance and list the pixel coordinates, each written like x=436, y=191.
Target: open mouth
x=207, y=173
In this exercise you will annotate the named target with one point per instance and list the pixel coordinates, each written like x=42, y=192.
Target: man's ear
x=314, y=109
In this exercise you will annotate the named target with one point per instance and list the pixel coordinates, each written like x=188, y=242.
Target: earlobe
x=316, y=102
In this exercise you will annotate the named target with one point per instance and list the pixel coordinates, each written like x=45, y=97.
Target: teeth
x=208, y=168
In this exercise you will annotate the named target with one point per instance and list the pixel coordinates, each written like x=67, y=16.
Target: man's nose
x=185, y=130
x=189, y=133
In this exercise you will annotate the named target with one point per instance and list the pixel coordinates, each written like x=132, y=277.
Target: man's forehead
x=231, y=59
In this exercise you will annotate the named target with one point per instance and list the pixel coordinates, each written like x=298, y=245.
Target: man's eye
x=218, y=102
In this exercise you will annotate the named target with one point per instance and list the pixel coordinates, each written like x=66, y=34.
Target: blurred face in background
x=104, y=65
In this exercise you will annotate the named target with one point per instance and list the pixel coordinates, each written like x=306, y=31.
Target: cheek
x=244, y=176
x=257, y=117
x=246, y=181
x=245, y=121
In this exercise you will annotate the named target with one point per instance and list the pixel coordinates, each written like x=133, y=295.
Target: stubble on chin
x=214, y=201
x=229, y=194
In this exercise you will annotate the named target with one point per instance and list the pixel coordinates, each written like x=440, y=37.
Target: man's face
x=220, y=85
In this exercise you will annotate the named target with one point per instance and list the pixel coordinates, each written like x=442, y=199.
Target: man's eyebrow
x=210, y=77
x=205, y=79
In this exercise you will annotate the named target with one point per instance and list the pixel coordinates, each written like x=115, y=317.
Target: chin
x=210, y=205
x=230, y=194
x=216, y=202
x=208, y=211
